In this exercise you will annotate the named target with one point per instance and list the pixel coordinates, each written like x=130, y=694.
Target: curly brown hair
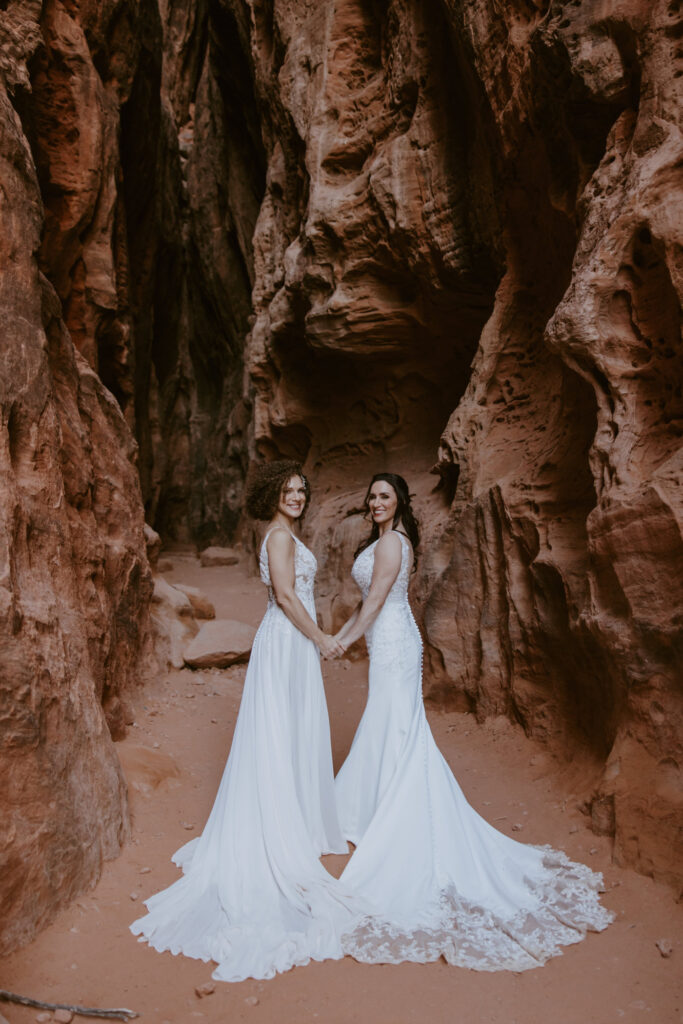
x=265, y=482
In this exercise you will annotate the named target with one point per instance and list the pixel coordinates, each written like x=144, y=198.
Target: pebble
x=517, y=827
x=145, y=871
x=252, y=1001
x=573, y=829
x=186, y=825
x=63, y=1016
x=135, y=896
x=207, y=988
x=42, y=1017
x=593, y=850
x=664, y=947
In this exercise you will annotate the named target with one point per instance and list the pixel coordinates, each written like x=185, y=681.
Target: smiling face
x=382, y=502
x=292, y=498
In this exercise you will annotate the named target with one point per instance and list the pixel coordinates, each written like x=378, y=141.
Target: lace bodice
x=305, y=567
x=393, y=633
x=364, y=564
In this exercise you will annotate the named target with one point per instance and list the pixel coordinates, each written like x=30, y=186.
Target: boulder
x=145, y=769
x=173, y=621
x=153, y=545
x=218, y=556
x=173, y=597
x=220, y=643
x=202, y=607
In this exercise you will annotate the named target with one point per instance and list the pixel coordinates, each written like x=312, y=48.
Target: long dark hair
x=404, y=513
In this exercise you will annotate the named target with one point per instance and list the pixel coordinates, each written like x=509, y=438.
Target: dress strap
x=272, y=530
x=407, y=546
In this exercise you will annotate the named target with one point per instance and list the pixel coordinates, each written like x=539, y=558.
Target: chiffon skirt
x=254, y=897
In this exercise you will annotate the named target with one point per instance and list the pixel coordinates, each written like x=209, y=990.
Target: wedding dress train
x=254, y=896
x=439, y=879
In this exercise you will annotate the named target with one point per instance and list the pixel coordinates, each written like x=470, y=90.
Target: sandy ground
x=174, y=756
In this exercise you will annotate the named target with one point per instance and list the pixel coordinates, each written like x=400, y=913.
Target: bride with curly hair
x=254, y=897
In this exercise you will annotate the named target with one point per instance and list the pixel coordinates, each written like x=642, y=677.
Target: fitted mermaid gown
x=254, y=896
x=439, y=879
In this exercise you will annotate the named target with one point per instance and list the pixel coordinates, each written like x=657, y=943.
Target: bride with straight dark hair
x=439, y=880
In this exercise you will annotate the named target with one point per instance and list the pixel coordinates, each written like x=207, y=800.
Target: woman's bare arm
x=349, y=624
x=281, y=547
x=388, y=553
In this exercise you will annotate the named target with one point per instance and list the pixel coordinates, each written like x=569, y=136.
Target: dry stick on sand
x=84, y=1011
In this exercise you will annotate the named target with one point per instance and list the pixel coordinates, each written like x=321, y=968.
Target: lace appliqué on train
x=466, y=935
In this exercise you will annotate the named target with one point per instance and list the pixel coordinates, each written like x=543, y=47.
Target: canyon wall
x=74, y=577
x=140, y=120
x=468, y=261
x=437, y=236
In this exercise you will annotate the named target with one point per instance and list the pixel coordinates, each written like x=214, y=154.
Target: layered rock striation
x=149, y=158
x=475, y=207
x=74, y=577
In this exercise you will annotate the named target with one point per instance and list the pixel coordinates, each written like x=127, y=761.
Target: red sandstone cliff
x=441, y=236
x=74, y=578
x=491, y=224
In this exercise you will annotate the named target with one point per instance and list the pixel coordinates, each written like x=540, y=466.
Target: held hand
x=330, y=647
x=341, y=640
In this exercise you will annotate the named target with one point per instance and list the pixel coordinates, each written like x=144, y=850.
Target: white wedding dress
x=254, y=897
x=439, y=879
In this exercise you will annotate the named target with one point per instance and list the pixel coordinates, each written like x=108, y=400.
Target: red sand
x=88, y=956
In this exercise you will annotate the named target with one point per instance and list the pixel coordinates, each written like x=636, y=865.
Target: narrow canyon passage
x=173, y=758
x=437, y=237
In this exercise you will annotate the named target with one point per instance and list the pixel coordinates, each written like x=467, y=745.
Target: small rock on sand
x=220, y=643
x=218, y=556
x=251, y=1000
x=43, y=1016
x=665, y=947
x=207, y=988
x=63, y=1016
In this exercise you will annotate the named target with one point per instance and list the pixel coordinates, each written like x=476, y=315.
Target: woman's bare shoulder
x=389, y=548
x=279, y=540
